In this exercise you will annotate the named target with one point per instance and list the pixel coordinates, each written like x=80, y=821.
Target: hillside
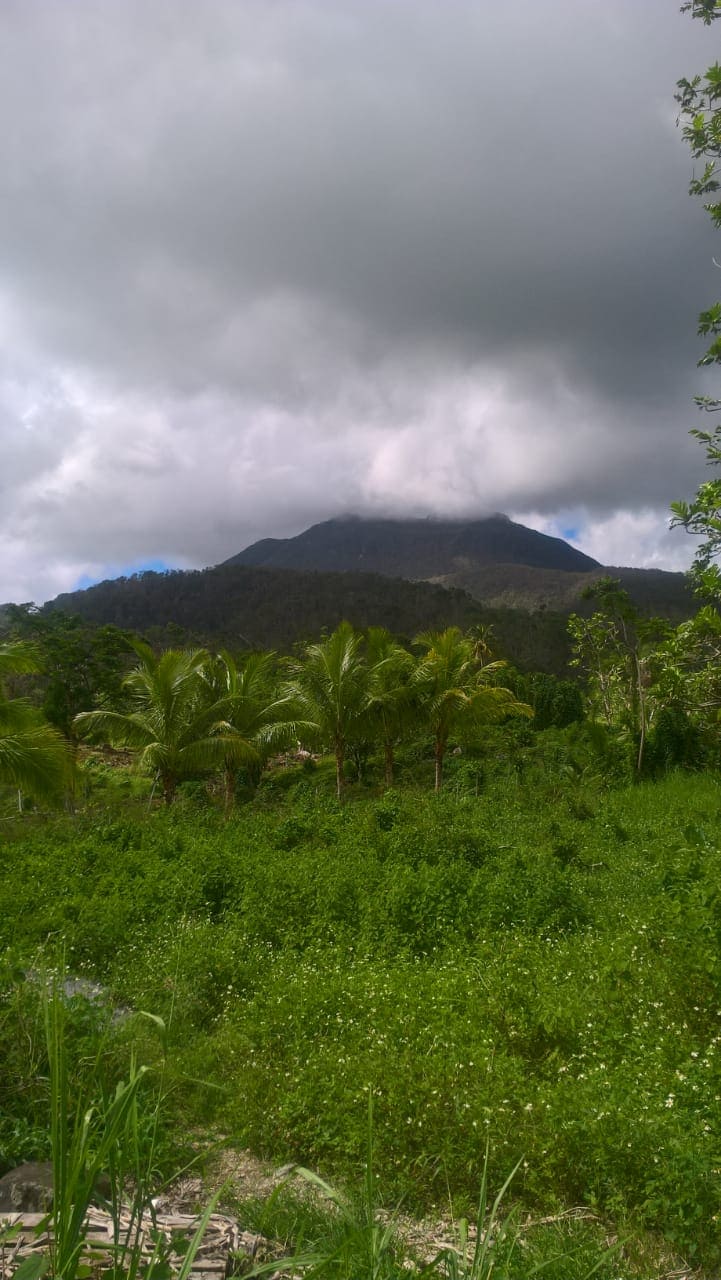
x=265, y=608
x=239, y=607
x=414, y=548
x=515, y=586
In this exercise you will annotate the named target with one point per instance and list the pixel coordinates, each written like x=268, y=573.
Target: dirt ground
x=247, y=1178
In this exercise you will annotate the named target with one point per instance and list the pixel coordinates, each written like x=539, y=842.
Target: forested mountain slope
x=240, y=607
x=517, y=586
x=267, y=608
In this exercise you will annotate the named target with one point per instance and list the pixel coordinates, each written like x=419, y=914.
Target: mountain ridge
x=413, y=549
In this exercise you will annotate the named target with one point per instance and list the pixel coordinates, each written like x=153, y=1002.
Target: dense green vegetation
x=523, y=958
x=246, y=608
x=521, y=969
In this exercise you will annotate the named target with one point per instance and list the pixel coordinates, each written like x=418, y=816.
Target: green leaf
x=33, y=1267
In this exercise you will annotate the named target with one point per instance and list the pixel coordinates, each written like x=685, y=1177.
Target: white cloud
x=262, y=264
x=634, y=539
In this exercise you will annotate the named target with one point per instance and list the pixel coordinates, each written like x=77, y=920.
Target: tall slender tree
x=615, y=646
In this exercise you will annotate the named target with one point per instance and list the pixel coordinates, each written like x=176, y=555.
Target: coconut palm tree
x=246, y=704
x=453, y=691
x=327, y=690
x=176, y=724
x=33, y=756
x=389, y=698
x=483, y=641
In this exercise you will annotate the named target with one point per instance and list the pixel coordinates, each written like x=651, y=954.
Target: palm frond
x=18, y=658
x=117, y=728
x=35, y=760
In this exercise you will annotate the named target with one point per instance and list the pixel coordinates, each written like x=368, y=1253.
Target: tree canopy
x=454, y=690
x=177, y=725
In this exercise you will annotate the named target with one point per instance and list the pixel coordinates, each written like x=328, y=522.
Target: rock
x=27, y=1189
x=73, y=987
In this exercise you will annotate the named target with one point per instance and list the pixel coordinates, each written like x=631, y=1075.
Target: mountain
x=501, y=564
x=260, y=605
x=415, y=549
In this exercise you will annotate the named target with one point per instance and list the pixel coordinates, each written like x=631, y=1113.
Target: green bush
x=537, y=965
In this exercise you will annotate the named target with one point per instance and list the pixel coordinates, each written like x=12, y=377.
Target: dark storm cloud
x=263, y=262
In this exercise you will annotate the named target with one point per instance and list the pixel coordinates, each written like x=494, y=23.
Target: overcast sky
x=263, y=262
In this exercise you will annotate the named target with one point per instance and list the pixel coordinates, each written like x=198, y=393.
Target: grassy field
x=532, y=971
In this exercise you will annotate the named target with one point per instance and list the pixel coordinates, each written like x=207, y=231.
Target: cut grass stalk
x=95, y=1137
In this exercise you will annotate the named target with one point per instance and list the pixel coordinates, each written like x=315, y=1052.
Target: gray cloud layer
x=264, y=262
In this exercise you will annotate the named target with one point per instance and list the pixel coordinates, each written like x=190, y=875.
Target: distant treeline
x=244, y=608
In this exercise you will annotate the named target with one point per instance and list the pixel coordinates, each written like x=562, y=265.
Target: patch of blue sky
x=120, y=571
x=570, y=532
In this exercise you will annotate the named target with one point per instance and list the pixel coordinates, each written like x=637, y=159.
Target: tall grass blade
x=99, y=1136
x=197, y=1239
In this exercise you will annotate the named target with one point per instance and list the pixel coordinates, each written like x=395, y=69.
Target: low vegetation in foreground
x=523, y=970
x=374, y=877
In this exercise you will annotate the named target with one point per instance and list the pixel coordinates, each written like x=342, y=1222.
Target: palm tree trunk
x=439, y=753
x=69, y=801
x=168, y=783
x=641, y=701
x=339, y=764
x=228, y=789
x=389, y=763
